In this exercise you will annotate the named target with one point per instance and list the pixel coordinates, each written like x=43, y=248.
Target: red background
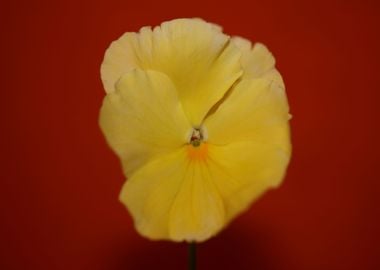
x=60, y=182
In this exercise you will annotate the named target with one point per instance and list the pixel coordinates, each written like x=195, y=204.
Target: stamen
x=196, y=137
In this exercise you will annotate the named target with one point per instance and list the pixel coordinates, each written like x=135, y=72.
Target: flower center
x=197, y=148
x=196, y=137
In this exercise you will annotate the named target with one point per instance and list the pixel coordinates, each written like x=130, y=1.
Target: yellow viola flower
x=199, y=121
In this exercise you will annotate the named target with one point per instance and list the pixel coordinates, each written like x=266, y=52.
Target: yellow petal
x=184, y=196
x=255, y=111
x=257, y=61
x=198, y=211
x=143, y=118
x=150, y=192
x=242, y=171
x=118, y=60
x=197, y=57
x=249, y=133
x=174, y=198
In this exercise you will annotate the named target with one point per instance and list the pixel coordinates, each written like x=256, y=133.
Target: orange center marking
x=197, y=152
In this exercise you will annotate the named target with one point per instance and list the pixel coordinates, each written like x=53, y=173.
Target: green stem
x=192, y=256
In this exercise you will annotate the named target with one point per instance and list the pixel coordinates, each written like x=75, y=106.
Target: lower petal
x=174, y=198
x=198, y=211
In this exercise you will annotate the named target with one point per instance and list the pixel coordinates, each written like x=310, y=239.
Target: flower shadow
x=235, y=248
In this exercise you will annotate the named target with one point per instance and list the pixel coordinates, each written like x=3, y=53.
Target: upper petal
x=257, y=61
x=255, y=111
x=143, y=118
x=119, y=59
x=198, y=58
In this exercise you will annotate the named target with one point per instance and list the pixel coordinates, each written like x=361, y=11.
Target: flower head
x=199, y=121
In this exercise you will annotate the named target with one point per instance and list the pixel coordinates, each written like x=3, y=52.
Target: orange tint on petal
x=197, y=152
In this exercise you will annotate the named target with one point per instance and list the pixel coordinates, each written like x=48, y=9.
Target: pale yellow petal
x=143, y=118
x=255, y=111
x=242, y=171
x=118, y=60
x=174, y=198
x=257, y=61
x=197, y=57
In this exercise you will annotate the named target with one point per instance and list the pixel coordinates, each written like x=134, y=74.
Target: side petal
x=143, y=118
x=242, y=171
x=255, y=111
x=197, y=57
